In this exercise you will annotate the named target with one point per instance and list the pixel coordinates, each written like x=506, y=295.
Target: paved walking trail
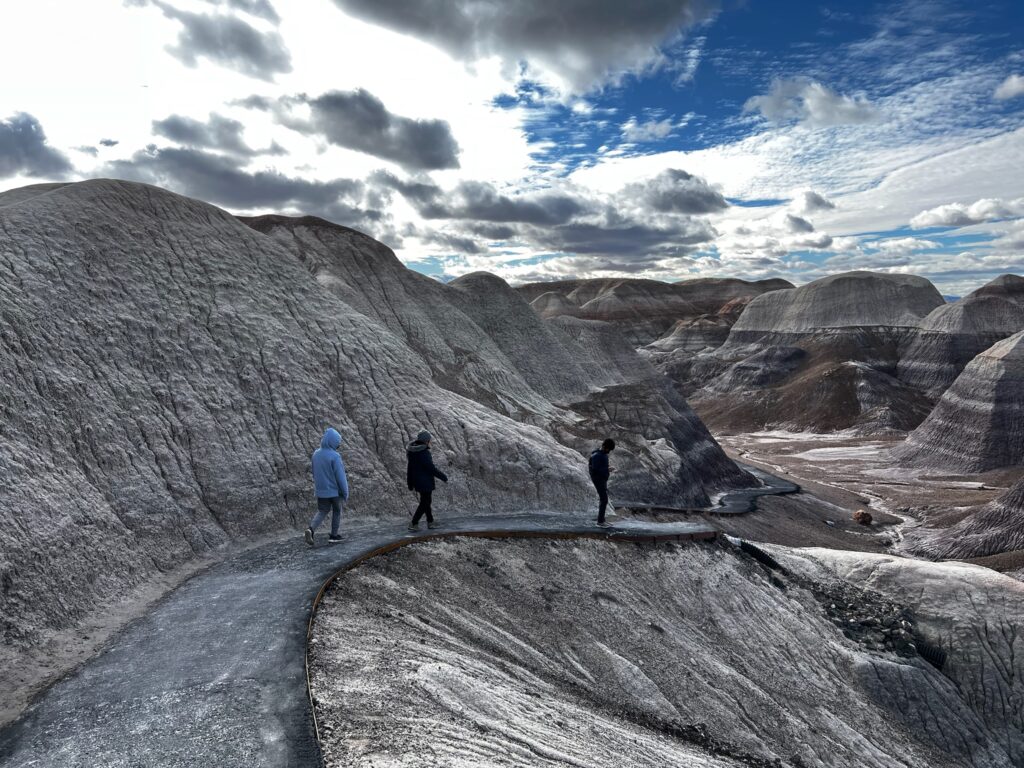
x=214, y=675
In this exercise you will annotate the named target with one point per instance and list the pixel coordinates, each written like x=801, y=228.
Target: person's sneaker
x=309, y=536
x=414, y=527
x=433, y=525
x=335, y=539
x=603, y=524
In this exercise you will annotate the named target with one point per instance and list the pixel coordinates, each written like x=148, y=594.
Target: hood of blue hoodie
x=331, y=439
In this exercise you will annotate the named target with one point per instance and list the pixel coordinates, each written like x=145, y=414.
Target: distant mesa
x=821, y=357
x=847, y=300
x=978, y=423
x=952, y=334
x=643, y=310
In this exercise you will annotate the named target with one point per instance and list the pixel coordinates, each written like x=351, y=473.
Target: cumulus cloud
x=109, y=142
x=809, y=201
x=25, y=151
x=960, y=215
x=222, y=180
x=811, y=104
x=652, y=130
x=358, y=120
x=578, y=44
x=1010, y=88
x=225, y=40
x=220, y=133
x=676, y=191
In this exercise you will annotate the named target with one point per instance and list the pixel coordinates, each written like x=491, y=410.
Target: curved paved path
x=214, y=674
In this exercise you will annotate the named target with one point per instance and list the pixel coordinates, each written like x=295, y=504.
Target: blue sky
x=537, y=140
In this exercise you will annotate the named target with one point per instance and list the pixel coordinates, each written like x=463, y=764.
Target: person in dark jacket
x=420, y=477
x=331, y=485
x=599, y=472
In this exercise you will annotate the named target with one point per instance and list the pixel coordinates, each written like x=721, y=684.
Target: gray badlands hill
x=644, y=310
x=168, y=369
x=951, y=335
x=990, y=529
x=850, y=299
x=978, y=424
x=820, y=357
x=483, y=341
x=591, y=654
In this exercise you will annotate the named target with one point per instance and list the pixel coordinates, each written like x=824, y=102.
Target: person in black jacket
x=599, y=472
x=420, y=477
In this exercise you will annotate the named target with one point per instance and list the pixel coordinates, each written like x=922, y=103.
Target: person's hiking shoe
x=308, y=535
x=415, y=527
x=335, y=539
x=603, y=524
x=433, y=525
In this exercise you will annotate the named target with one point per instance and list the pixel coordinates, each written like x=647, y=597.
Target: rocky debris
x=953, y=334
x=965, y=616
x=978, y=423
x=871, y=620
x=863, y=517
x=990, y=529
x=168, y=370
x=637, y=656
x=644, y=310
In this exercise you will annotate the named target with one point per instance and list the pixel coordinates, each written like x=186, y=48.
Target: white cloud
x=902, y=245
x=1011, y=87
x=811, y=104
x=652, y=130
x=808, y=201
x=960, y=215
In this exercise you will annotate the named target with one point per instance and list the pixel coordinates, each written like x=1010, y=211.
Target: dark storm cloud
x=581, y=41
x=259, y=8
x=24, y=150
x=451, y=242
x=638, y=241
x=222, y=180
x=218, y=132
x=225, y=40
x=359, y=120
x=478, y=201
x=676, y=191
x=797, y=224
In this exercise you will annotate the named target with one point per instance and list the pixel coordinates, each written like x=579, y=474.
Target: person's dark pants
x=602, y=494
x=325, y=506
x=423, y=508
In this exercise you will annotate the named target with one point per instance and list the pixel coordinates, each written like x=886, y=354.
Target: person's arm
x=339, y=470
x=435, y=471
x=603, y=470
x=408, y=473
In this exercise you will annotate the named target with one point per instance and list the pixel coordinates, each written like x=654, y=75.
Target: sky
x=545, y=140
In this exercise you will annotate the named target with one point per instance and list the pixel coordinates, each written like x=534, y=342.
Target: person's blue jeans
x=323, y=506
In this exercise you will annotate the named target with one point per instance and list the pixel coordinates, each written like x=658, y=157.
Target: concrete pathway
x=214, y=674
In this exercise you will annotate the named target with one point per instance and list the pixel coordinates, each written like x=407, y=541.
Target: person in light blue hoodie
x=331, y=486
